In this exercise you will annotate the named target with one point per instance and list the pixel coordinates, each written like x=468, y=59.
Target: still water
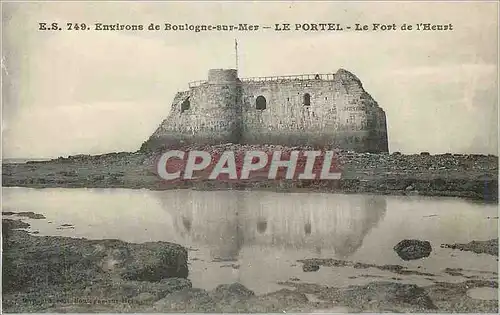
x=256, y=238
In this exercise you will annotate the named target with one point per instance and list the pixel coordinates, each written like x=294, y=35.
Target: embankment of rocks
x=455, y=175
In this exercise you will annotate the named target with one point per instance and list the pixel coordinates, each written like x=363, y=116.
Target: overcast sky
x=73, y=92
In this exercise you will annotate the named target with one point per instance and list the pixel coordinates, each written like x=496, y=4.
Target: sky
x=93, y=92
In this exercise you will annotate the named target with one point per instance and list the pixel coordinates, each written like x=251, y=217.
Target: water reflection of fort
x=229, y=220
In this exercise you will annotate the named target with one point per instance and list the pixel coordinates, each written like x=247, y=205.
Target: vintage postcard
x=249, y=157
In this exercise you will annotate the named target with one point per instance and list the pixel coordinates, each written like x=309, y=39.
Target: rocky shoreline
x=489, y=247
x=62, y=274
x=450, y=175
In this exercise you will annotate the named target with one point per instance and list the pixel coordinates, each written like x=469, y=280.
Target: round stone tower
x=223, y=88
x=222, y=105
x=222, y=76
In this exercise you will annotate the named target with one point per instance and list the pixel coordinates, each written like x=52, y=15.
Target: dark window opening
x=307, y=99
x=307, y=228
x=261, y=226
x=186, y=105
x=187, y=223
x=260, y=103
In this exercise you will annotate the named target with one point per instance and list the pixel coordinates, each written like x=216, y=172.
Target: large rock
x=387, y=296
x=232, y=291
x=10, y=224
x=155, y=261
x=142, y=292
x=231, y=298
x=413, y=249
x=187, y=301
x=64, y=261
x=282, y=301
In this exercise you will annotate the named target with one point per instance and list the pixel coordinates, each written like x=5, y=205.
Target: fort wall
x=328, y=110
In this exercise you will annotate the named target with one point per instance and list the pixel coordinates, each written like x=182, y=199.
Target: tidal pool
x=256, y=237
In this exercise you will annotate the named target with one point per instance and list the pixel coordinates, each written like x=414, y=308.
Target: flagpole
x=236, y=52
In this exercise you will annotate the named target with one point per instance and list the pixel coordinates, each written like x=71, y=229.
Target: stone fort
x=320, y=110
